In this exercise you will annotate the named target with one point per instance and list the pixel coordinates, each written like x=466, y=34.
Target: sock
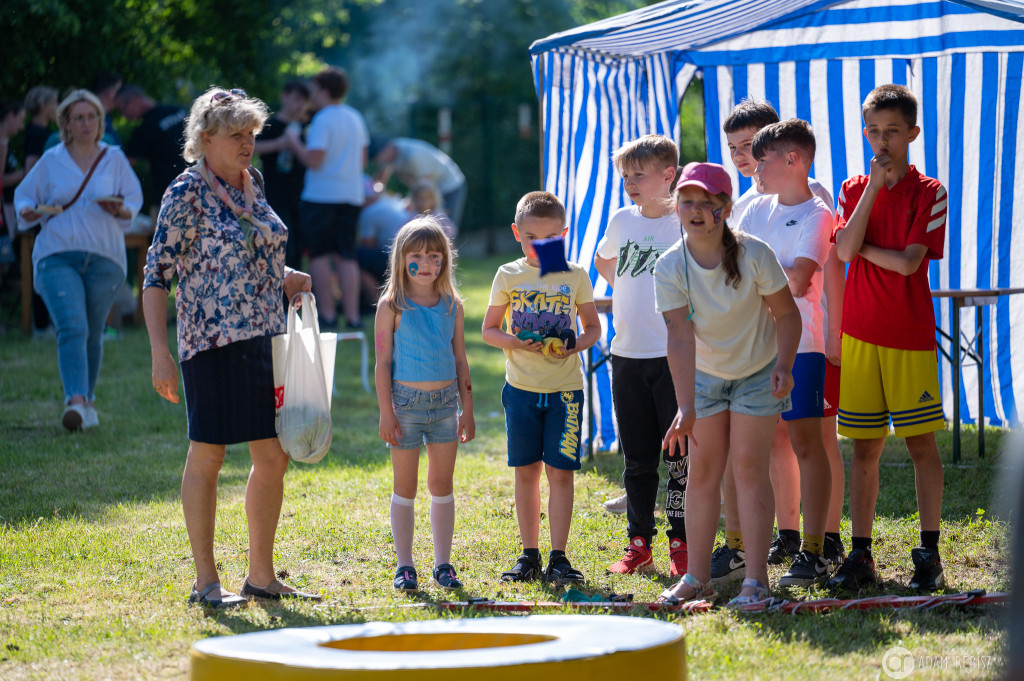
x=403, y=522
x=734, y=540
x=815, y=543
x=442, y=527
x=834, y=536
x=930, y=540
x=792, y=535
x=532, y=554
x=863, y=543
x=556, y=556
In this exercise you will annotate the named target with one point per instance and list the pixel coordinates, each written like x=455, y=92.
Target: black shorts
x=229, y=393
x=329, y=228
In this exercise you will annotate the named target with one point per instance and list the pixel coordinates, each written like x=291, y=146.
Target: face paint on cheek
x=717, y=215
x=413, y=269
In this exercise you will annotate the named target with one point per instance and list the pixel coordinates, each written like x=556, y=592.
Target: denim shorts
x=750, y=395
x=426, y=417
x=543, y=427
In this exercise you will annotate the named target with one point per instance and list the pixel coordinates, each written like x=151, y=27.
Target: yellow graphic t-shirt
x=541, y=304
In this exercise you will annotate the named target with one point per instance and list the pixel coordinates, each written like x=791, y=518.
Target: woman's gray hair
x=218, y=109
x=64, y=114
x=38, y=97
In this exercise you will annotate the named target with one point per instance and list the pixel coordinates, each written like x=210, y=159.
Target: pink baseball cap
x=711, y=177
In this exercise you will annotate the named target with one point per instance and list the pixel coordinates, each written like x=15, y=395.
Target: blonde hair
x=64, y=114
x=654, y=152
x=422, y=233
x=219, y=109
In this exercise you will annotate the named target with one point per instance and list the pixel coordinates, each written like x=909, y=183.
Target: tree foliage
x=170, y=47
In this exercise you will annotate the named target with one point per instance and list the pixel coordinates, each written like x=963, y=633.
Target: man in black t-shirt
x=159, y=138
x=282, y=172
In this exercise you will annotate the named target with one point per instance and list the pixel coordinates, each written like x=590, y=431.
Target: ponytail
x=731, y=257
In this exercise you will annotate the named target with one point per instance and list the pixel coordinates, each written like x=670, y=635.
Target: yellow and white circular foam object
x=571, y=647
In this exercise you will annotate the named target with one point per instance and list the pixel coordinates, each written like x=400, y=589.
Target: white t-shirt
x=636, y=243
x=338, y=130
x=740, y=204
x=734, y=327
x=800, y=231
x=417, y=160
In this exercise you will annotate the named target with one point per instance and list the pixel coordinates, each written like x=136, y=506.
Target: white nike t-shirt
x=800, y=231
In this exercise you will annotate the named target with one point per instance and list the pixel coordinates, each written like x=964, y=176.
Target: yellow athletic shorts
x=878, y=383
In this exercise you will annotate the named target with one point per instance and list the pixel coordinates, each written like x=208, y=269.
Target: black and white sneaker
x=927, y=570
x=783, y=551
x=727, y=564
x=835, y=552
x=807, y=570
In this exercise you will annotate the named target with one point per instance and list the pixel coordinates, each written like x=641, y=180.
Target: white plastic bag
x=303, y=378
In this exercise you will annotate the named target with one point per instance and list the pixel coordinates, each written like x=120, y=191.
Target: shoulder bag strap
x=88, y=175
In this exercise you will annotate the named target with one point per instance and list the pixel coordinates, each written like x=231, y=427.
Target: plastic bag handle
x=308, y=321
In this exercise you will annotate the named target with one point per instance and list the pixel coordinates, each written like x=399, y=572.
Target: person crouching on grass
x=733, y=333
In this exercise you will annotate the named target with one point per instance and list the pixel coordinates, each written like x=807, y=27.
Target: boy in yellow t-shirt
x=543, y=393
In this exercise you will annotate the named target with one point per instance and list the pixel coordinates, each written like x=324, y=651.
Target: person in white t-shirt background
x=797, y=225
x=740, y=126
x=642, y=393
x=335, y=154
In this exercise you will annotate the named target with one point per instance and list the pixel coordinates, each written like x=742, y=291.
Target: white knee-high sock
x=442, y=527
x=403, y=522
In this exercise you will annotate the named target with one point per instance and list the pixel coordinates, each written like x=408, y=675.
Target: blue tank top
x=423, y=344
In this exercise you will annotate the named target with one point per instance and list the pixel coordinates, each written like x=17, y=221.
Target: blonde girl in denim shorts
x=422, y=375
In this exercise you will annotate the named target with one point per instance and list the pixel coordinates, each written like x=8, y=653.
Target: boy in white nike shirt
x=740, y=126
x=797, y=225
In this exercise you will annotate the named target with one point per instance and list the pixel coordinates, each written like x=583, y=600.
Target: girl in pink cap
x=733, y=332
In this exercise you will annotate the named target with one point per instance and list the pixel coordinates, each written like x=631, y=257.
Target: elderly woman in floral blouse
x=217, y=232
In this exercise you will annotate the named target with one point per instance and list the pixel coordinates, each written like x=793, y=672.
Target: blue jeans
x=78, y=289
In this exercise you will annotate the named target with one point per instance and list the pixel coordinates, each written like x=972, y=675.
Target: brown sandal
x=275, y=592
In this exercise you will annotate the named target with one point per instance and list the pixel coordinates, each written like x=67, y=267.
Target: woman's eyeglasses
x=85, y=118
x=225, y=96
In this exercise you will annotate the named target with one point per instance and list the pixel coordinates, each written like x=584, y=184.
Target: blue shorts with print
x=750, y=395
x=425, y=417
x=808, y=394
x=543, y=427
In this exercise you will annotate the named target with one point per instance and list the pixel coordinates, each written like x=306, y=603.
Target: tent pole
x=540, y=124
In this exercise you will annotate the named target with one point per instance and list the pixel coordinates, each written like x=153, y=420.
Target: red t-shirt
x=881, y=306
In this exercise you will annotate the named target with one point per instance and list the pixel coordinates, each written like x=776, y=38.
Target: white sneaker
x=616, y=505
x=92, y=419
x=74, y=417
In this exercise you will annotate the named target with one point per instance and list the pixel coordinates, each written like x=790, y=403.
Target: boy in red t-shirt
x=888, y=225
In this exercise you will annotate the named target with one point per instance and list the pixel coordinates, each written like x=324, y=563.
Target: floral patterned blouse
x=225, y=294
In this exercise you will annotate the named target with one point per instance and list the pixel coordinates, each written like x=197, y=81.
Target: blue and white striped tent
x=603, y=84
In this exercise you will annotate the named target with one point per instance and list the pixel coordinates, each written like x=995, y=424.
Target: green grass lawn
x=95, y=565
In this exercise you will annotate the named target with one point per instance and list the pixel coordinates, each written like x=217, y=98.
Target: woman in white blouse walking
x=85, y=194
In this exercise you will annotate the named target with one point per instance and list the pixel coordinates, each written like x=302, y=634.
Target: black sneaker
x=783, y=551
x=444, y=577
x=405, y=578
x=927, y=570
x=560, y=572
x=526, y=569
x=807, y=569
x=727, y=564
x=835, y=552
x=858, y=569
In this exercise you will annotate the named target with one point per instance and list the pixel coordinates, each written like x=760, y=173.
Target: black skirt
x=229, y=393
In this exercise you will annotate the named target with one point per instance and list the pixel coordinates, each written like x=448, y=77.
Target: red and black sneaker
x=638, y=558
x=677, y=557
